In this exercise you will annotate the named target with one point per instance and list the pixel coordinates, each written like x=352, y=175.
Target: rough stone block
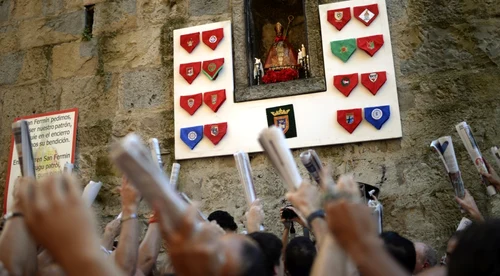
x=26, y=9
x=147, y=124
x=208, y=7
x=15, y=101
x=39, y=32
x=87, y=94
x=35, y=65
x=11, y=66
x=487, y=35
x=153, y=12
x=143, y=89
x=5, y=10
x=67, y=60
x=112, y=16
x=131, y=50
x=9, y=41
x=51, y=7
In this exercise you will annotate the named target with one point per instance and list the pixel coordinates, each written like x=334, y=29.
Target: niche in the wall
x=257, y=35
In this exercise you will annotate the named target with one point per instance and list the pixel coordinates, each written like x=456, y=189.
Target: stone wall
x=446, y=55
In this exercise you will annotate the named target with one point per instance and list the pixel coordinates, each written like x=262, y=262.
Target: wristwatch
x=314, y=215
x=12, y=215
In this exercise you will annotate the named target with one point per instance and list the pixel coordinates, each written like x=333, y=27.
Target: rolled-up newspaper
x=273, y=142
x=154, y=147
x=245, y=173
x=444, y=147
x=311, y=161
x=464, y=223
x=470, y=144
x=68, y=168
x=201, y=215
x=133, y=159
x=174, y=175
x=24, y=149
x=496, y=155
x=90, y=192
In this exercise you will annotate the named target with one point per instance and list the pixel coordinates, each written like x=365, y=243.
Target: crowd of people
x=51, y=231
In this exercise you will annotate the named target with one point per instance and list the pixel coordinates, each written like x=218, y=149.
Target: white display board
x=53, y=137
x=315, y=114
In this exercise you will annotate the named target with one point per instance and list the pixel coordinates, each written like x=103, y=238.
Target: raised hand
x=306, y=199
x=255, y=216
x=492, y=176
x=469, y=205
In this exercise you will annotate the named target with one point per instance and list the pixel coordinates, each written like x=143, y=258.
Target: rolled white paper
x=245, y=174
x=90, y=192
x=174, y=175
x=465, y=133
x=119, y=215
x=132, y=158
x=68, y=167
x=24, y=148
x=444, y=148
x=311, y=161
x=274, y=144
x=154, y=147
x=464, y=223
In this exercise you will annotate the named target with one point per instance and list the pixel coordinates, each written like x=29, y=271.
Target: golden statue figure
x=281, y=55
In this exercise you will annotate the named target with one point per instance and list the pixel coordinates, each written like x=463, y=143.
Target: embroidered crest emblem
x=190, y=71
x=377, y=114
x=339, y=15
x=214, y=130
x=366, y=15
x=345, y=81
x=212, y=39
x=373, y=77
x=214, y=99
x=349, y=118
x=190, y=42
x=192, y=135
x=370, y=45
x=212, y=66
x=343, y=49
x=191, y=102
x=281, y=119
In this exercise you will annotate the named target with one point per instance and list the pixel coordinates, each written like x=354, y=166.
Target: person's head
x=243, y=256
x=271, y=247
x=299, y=256
x=426, y=257
x=224, y=220
x=477, y=251
x=400, y=249
x=450, y=246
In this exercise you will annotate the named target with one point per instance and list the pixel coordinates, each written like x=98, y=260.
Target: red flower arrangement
x=287, y=74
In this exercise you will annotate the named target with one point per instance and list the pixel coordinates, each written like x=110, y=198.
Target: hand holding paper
x=245, y=173
x=174, y=175
x=24, y=149
x=273, y=142
x=311, y=161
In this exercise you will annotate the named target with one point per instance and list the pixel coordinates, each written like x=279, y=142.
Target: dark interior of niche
x=261, y=18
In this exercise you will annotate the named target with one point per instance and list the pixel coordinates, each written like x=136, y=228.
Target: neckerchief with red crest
x=339, y=18
x=370, y=44
x=214, y=99
x=345, y=83
x=374, y=81
x=191, y=103
x=213, y=37
x=366, y=14
x=190, y=41
x=211, y=68
x=215, y=132
x=189, y=71
x=349, y=118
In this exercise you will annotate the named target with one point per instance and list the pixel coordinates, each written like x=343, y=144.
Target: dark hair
x=400, y=249
x=299, y=256
x=271, y=246
x=253, y=260
x=223, y=219
x=477, y=251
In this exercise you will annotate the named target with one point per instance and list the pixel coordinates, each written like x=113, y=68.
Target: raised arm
x=18, y=251
x=127, y=251
x=150, y=246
